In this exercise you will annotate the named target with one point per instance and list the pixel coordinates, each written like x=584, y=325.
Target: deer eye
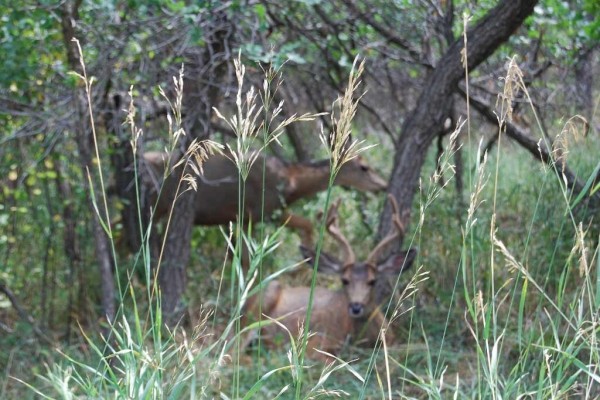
x=371, y=282
x=364, y=168
x=345, y=281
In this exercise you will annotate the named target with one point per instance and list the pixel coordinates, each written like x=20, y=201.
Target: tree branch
x=388, y=34
x=536, y=148
x=23, y=313
x=426, y=120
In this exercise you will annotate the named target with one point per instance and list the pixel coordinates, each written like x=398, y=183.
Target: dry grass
x=504, y=305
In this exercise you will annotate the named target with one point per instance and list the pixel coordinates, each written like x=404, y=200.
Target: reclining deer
x=336, y=315
x=217, y=192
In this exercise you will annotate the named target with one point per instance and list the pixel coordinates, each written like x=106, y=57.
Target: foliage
x=574, y=33
x=511, y=304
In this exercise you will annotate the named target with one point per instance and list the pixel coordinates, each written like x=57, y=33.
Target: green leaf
x=586, y=187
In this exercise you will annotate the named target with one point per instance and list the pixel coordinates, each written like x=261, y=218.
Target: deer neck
x=306, y=180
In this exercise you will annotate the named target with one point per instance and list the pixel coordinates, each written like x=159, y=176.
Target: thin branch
x=536, y=148
x=388, y=34
x=23, y=313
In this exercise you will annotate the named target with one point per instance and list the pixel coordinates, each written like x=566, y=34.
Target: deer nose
x=355, y=309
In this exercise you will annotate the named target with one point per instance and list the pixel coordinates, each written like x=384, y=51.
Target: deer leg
x=303, y=225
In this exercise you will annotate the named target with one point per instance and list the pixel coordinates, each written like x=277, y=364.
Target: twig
x=23, y=313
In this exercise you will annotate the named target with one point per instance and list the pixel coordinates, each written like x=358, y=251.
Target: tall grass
x=530, y=321
x=499, y=308
x=135, y=359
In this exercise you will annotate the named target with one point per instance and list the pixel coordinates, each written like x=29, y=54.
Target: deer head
x=357, y=174
x=336, y=315
x=358, y=278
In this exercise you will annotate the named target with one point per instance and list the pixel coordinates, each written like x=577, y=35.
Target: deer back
x=217, y=189
x=288, y=305
x=217, y=193
x=217, y=196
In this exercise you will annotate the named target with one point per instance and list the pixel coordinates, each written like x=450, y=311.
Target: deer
x=337, y=315
x=284, y=184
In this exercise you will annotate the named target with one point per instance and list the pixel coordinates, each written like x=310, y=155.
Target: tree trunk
x=171, y=271
x=200, y=95
x=70, y=244
x=69, y=14
x=122, y=162
x=584, y=82
x=426, y=121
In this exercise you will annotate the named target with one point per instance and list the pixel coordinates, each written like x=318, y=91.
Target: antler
x=394, y=233
x=334, y=231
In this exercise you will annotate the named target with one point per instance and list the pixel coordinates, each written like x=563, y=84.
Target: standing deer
x=285, y=183
x=336, y=315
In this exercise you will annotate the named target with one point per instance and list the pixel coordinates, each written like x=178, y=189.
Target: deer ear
x=327, y=264
x=398, y=262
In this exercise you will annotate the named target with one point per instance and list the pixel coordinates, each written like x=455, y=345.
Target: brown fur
x=348, y=313
x=217, y=193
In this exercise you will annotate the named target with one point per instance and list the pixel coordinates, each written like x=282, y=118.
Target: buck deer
x=284, y=184
x=336, y=315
